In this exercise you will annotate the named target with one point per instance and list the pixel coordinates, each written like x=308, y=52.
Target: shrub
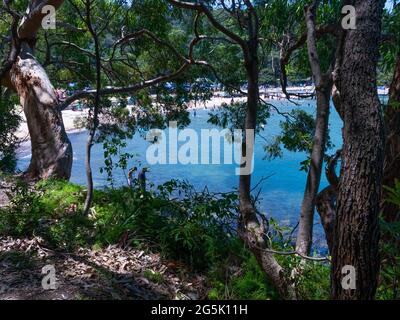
x=51, y=209
x=195, y=228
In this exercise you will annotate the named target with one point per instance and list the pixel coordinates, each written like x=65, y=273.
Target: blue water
x=281, y=193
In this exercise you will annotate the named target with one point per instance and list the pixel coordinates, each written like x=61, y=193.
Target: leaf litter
x=102, y=274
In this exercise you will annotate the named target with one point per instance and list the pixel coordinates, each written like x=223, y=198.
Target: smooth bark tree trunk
x=51, y=148
x=356, y=231
x=305, y=232
x=250, y=229
x=95, y=120
x=392, y=153
x=323, y=85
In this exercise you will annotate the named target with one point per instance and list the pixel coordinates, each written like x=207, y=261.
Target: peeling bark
x=51, y=148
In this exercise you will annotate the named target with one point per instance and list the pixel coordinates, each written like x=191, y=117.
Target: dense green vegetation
x=196, y=229
x=9, y=122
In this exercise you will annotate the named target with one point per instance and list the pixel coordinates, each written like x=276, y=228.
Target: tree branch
x=200, y=7
x=15, y=46
x=285, y=55
x=32, y=21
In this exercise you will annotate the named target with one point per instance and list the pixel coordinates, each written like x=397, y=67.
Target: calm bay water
x=281, y=192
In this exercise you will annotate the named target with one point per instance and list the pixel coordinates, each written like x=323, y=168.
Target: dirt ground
x=110, y=273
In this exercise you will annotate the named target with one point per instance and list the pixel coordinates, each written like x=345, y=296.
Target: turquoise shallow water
x=281, y=193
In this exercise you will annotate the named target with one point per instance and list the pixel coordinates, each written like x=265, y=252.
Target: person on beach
x=142, y=179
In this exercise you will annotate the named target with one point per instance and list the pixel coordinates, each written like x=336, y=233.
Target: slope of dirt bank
x=110, y=273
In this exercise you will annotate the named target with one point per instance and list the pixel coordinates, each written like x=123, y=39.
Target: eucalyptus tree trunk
x=96, y=106
x=392, y=153
x=51, y=148
x=252, y=232
x=305, y=232
x=323, y=86
x=356, y=231
x=250, y=229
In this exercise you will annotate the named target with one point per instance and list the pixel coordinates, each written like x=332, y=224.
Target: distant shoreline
x=70, y=117
x=273, y=94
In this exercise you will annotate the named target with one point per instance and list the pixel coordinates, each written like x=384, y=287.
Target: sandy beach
x=70, y=117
